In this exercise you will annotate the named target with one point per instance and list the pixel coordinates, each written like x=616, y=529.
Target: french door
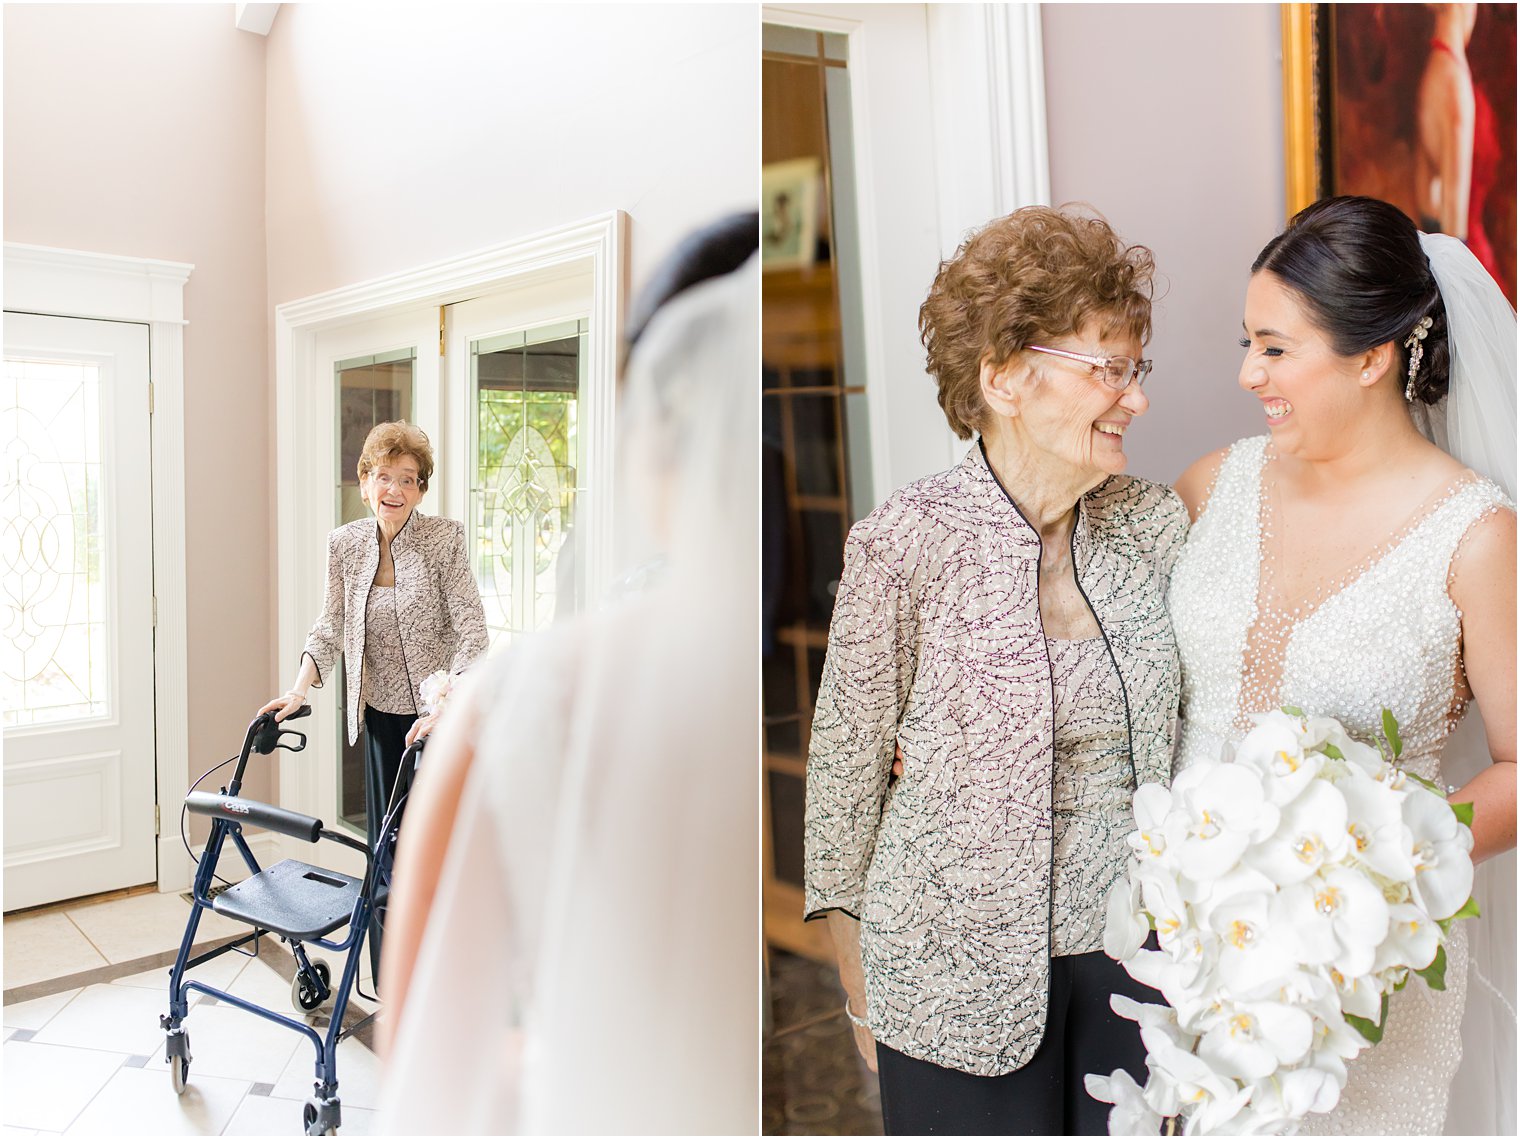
x=76, y=572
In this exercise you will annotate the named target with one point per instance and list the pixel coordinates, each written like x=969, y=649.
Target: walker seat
x=293, y=899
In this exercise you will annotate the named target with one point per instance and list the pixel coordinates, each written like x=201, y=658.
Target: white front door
x=77, y=585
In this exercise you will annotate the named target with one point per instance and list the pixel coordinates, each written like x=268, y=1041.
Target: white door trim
x=302, y=518
x=139, y=290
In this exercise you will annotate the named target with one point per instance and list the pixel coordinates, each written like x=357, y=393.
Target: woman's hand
x=422, y=726
x=896, y=774
x=863, y=1038
x=283, y=706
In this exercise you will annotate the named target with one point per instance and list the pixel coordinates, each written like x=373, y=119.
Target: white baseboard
x=176, y=870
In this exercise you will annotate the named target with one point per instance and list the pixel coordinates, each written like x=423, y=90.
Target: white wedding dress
x=1384, y=635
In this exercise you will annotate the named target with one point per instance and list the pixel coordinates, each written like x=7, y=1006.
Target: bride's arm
x=1196, y=482
x=1483, y=589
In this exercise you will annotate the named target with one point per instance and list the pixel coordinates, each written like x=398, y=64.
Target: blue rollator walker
x=297, y=902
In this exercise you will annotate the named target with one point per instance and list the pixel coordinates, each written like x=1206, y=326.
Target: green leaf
x=1445, y=924
x=1292, y=711
x=1391, y=733
x=1332, y=751
x=1435, y=972
x=1469, y=910
x=1372, y=1032
x=1464, y=813
x=1404, y=980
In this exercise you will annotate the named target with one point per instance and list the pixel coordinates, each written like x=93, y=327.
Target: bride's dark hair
x=1358, y=266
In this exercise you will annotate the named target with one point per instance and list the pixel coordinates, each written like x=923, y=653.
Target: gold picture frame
x=1302, y=53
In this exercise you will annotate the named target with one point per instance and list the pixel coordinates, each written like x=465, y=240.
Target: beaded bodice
x=1385, y=634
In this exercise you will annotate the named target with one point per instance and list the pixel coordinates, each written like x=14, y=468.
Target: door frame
x=305, y=409
x=139, y=290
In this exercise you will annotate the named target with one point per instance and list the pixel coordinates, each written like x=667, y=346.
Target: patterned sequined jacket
x=438, y=609
x=936, y=643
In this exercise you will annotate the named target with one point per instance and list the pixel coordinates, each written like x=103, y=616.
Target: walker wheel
x=303, y=996
x=179, y=1073
x=311, y=1113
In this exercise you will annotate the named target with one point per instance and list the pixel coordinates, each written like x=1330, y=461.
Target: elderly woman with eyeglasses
x=1004, y=625
x=401, y=605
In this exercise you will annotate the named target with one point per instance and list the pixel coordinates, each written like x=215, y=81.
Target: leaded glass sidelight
x=54, y=561
x=371, y=390
x=527, y=388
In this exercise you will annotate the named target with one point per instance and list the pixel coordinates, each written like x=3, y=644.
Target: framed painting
x=1411, y=103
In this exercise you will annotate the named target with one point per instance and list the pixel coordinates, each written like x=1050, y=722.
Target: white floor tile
x=141, y=1101
x=113, y=1017
x=48, y=1087
x=359, y=1075
x=219, y=973
x=129, y=928
x=36, y=1013
x=261, y=1115
x=359, y=1121
x=226, y=1041
x=40, y=947
x=260, y=984
x=20, y=1131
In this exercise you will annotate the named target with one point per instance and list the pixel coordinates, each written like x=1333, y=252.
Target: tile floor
x=84, y=988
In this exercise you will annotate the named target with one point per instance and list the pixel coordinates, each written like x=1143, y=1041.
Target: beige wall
x=1168, y=118
x=401, y=135
x=139, y=130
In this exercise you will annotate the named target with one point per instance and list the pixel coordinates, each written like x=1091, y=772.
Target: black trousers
x=384, y=741
x=1044, y=1097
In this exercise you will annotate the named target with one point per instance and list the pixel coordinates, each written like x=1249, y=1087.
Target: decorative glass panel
x=527, y=390
x=56, y=617
x=371, y=390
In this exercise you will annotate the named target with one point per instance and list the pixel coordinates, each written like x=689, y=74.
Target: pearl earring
x=1366, y=375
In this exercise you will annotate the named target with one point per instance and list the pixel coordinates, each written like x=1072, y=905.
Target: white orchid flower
x=1152, y=803
x=1294, y=1093
x=1380, y=840
x=1441, y=851
x=1181, y=983
x=1223, y=809
x=1131, y=1114
x=1124, y=928
x=1275, y=749
x=1311, y=834
x=1256, y=1038
x=1411, y=942
x=1254, y=958
x=1206, y=1093
x=1337, y=917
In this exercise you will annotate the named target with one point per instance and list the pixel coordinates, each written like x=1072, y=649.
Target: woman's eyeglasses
x=1115, y=371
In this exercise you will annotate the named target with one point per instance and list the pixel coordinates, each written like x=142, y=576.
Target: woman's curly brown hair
x=1036, y=274
x=388, y=442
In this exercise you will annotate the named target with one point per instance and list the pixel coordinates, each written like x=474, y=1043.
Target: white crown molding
x=255, y=18
x=601, y=241
x=67, y=282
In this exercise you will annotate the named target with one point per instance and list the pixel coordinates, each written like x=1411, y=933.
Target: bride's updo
x=1358, y=267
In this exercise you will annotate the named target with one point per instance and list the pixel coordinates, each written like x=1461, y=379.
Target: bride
x=1344, y=562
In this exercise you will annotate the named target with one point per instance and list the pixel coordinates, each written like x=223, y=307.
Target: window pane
x=527, y=392
x=55, y=612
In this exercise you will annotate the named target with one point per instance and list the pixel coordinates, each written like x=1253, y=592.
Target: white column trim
x=987, y=81
x=139, y=290
x=601, y=240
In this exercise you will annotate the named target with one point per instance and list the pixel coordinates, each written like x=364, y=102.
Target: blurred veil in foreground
x=589, y=961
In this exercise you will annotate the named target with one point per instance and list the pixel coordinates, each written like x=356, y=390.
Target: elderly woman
x=401, y=605
x=1004, y=622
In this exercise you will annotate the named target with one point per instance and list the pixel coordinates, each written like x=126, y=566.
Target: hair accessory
x=1416, y=345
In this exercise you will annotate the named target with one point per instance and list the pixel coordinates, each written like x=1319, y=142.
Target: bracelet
x=857, y=1021
x=301, y=696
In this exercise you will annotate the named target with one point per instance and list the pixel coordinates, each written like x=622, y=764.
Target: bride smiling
x=1345, y=562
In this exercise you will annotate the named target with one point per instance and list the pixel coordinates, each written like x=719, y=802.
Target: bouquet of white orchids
x=1292, y=887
